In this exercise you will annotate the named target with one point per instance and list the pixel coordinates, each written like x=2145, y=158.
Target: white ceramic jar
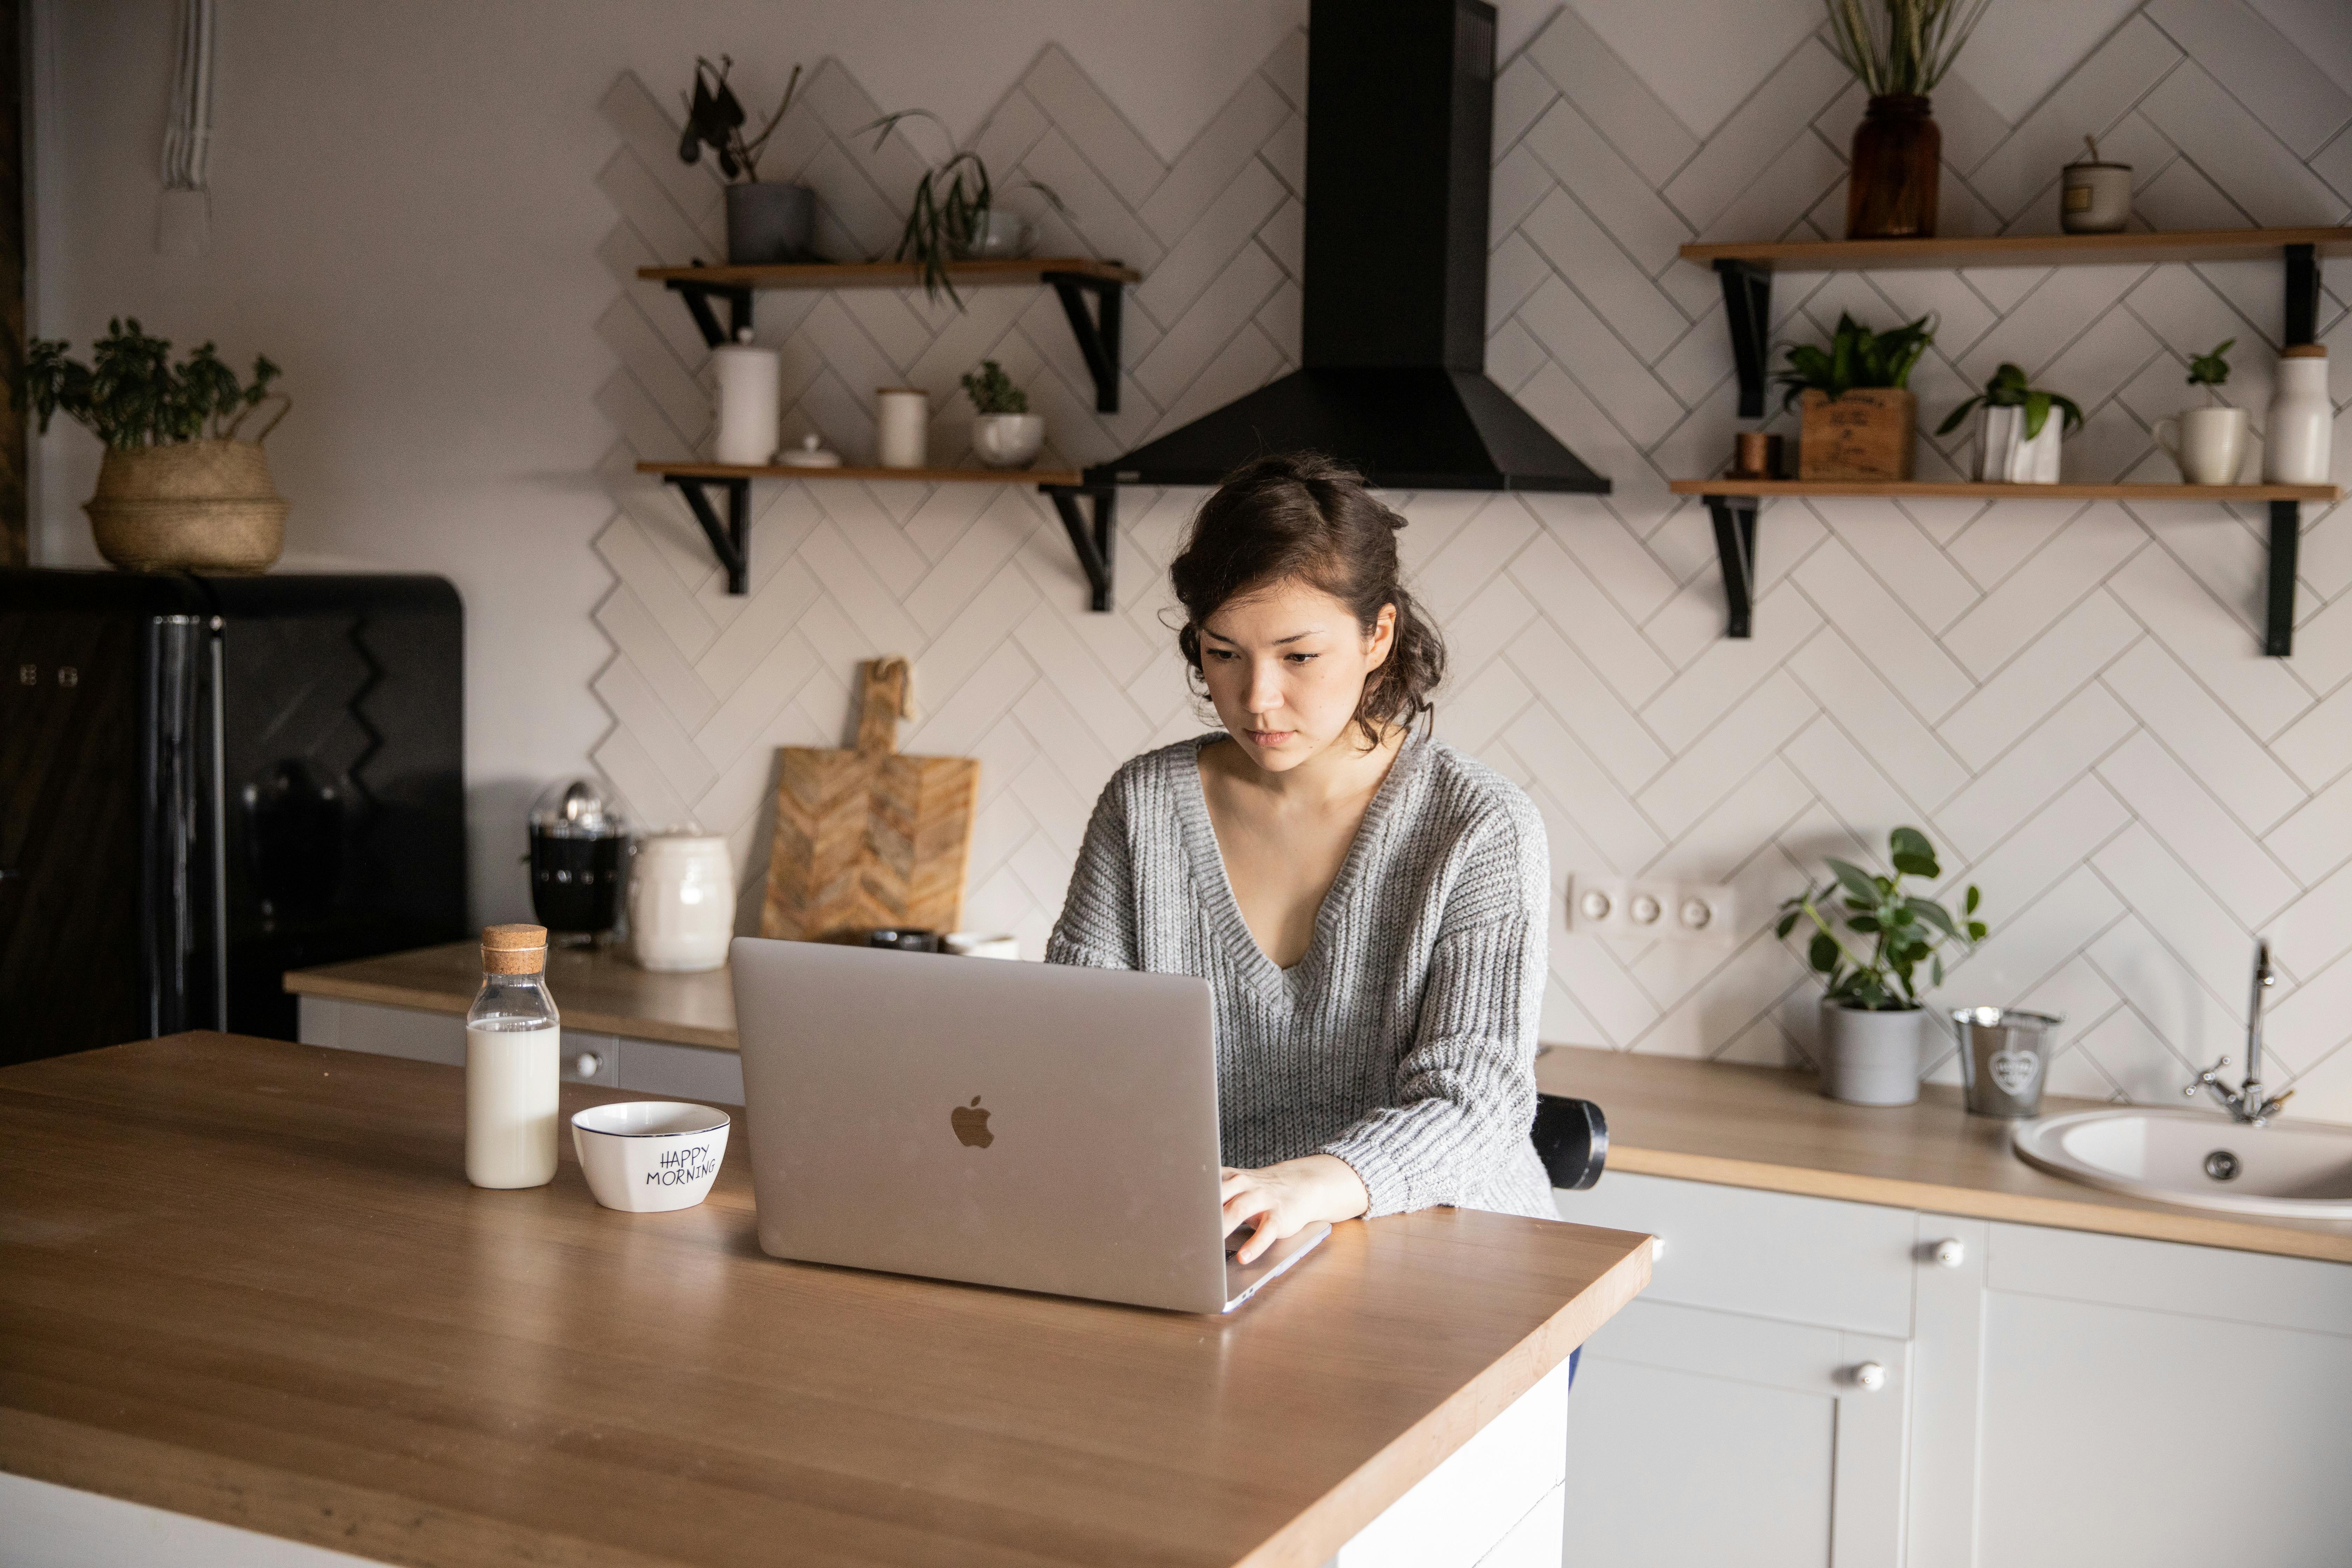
x=2300, y=434
x=902, y=427
x=682, y=901
x=750, y=383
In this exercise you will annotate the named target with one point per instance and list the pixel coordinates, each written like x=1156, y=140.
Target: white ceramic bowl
x=645, y=1156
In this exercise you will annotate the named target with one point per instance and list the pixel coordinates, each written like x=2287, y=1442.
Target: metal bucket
x=2004, y=1058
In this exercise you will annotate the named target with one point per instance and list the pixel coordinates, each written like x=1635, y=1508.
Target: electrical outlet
x=1645, y=907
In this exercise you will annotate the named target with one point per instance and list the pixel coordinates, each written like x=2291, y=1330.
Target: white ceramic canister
x=902, y=427
x=749, y=391
x=2299, y=437
x=682, y=901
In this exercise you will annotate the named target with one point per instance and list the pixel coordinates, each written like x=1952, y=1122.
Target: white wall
x=2067, y=697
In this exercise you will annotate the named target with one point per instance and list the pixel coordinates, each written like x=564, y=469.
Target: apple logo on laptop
x=970, y=1125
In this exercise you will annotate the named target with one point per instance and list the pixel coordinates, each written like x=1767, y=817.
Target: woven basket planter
x=196, y=506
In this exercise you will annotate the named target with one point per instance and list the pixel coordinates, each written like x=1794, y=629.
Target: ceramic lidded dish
x=648, y=1156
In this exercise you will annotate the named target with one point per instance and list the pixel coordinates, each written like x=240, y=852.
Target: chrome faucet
x=2247, y=1102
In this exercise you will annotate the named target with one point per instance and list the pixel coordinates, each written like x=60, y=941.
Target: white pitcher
x=2209, y=444
x=2300, y=435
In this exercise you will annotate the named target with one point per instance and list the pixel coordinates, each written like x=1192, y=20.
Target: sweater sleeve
x=1097, y=930
x=1466, y=1084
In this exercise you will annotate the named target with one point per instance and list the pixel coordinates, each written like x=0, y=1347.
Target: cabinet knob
x=1870, y=1376
x=587, y=1064
x=1950, y=1253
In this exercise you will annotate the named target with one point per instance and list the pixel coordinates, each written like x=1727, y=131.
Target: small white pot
x=1008, y=440
x=682, y=901
x=2005, y=454
x=649, y=1156
x=1870, y=1058
x=2300, y=435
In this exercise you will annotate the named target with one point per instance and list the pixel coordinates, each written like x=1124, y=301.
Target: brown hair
x=1302, y=517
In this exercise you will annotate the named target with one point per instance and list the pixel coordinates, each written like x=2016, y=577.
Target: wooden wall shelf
x=1091, y=536
x=1745, y=273
x=1073, y=278
x=2023, y=249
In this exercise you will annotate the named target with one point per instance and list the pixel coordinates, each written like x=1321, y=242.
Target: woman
x=1368, y=904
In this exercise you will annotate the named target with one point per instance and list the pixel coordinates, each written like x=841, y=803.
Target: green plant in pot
x=1005, y=434
x=953, y=216
x=767, y=221
x=1858, y=412
x=1898, y=49
x=179, y=488
x=2208, y=443
x=2018, y=441
x=1870, y=939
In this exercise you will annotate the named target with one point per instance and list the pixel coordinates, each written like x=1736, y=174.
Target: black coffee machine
x=579, y=862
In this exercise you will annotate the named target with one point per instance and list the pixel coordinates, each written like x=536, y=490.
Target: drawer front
x=1771, y=1255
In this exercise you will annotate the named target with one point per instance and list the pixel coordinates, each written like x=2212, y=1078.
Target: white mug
x=2207, y=444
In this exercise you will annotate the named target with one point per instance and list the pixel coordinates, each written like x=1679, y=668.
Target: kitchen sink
x=2299, y=1170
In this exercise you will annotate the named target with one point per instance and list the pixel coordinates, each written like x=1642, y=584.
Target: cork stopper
x=514, y=950
x=2304, y=351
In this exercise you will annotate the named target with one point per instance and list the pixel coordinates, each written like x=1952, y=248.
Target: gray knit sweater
x=1404, y=1041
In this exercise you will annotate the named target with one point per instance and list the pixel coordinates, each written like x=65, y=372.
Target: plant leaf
x=1976, y=931
x=1788, y=923
x=1856, y=882
x=1968, y=905
x=2037, y=413
x=1934, y=914
x=1822, y=953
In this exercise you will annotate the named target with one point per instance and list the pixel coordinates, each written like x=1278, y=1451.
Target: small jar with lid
x=682, y=900
x=514, y=1050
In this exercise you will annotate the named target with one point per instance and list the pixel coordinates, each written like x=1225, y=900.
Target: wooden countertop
x=1762, y=1127
x=598, y=989
x=246, y=1280
x=1748, y=1127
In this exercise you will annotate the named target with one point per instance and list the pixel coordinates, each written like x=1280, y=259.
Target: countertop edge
x=335, y=1515
x=628, y=1027
x=2088, y=1214
x=1315, y=1534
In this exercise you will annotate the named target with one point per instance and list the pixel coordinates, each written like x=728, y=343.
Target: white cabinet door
x=1697, y=1438
x=2124, y=1419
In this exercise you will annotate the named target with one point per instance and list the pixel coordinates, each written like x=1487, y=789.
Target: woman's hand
x=1285, y=1199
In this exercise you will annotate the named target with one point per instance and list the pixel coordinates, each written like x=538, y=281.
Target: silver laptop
x=1028, y=1125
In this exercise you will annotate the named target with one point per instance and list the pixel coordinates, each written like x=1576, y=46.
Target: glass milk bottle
x=513, y=1047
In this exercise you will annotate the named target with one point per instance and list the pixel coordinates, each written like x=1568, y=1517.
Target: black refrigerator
x=205, y=782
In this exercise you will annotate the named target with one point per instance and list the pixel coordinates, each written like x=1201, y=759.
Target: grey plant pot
x=1870, y=1058
x=769, y=222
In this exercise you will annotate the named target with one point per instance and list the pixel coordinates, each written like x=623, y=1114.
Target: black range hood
x=1400, y=130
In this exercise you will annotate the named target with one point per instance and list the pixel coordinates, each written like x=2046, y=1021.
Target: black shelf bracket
x=1092, y=541
x=1097, y=330
x=729, y=540
x=2301, y=295
x=1748, y=311
x=2286, y=533
x=1734, y=546
x=698, y=296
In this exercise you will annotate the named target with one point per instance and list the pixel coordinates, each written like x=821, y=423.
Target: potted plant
x=767, y=221
x=2208, y=443
x=1005, y=434
x=952, y=216
x=1858, y=410
x=178, y=489
x=1870, y=1007
x=1899, y=51
x=2017, y=441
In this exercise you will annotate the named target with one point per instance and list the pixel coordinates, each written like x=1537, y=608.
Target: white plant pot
x=1008, y=440
x=2207, y=444
x=1870, y=1058
x=2005, y=454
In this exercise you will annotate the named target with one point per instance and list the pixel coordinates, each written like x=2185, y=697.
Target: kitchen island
x=245, y=1282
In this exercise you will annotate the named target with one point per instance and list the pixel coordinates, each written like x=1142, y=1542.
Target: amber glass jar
x=1890, y=189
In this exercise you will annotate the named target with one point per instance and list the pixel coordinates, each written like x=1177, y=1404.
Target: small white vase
x=2005, y=456
x=1870, y=1058
x=1008, y=440
x=2299, y=433
x=2208, y=445
x=902, y=427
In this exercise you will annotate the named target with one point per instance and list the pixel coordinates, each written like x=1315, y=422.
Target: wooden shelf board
x=892, y=274
x=920, y=476
x=2023, y=251
x=1972, y=491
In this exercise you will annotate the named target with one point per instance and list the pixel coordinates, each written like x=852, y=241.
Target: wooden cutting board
x=867, y=838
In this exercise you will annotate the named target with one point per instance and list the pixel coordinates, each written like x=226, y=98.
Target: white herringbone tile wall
x=2067, y=697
